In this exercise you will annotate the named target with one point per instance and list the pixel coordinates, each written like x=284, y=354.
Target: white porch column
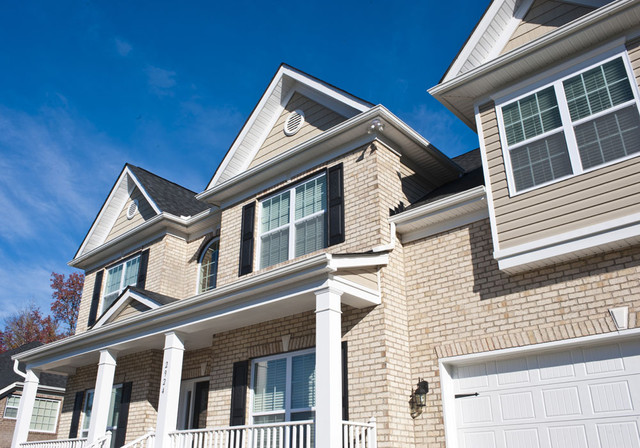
x=25, y=408
x=328, y=369
x=102, y=396
x=169, y=388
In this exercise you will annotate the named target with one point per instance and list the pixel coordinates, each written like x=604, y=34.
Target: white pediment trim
x=121, y=303
x=111, y=209
x=493, y=31
x=284, y=84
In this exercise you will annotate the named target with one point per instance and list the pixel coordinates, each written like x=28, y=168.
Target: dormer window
x=577, y=123
x=118, y=278
x=209, y=266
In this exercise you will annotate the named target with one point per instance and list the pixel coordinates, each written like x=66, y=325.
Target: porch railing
x=145, y=441
x=359, y=435
x=272, y=435
x=62, y=443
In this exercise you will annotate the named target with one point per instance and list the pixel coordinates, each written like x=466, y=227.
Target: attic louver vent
x=133, y=208
x=294, y=122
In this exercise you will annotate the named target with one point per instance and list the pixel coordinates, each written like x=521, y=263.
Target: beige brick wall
x=461, y=303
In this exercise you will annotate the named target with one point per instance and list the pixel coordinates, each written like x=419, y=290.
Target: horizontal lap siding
x=587, y=199
x=123, y=224
x=543, y=17
x=317, y=119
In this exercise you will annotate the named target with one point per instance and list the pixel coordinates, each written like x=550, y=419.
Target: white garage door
x=587, y=397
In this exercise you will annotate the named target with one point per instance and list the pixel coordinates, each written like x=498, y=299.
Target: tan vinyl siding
x=361, y=277
x=123, y=224
x=543, y=17
x=580, y=201
x=317, y=119
x=130, y=310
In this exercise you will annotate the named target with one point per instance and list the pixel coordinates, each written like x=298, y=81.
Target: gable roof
x=286, y=81
x=162, y=195
x=492, y=32
x=149, y=299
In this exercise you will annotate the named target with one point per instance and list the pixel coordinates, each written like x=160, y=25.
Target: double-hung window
x=118, y=278
x=577, y=123
x=293, y=222
x=44, y=417
x=284, y=387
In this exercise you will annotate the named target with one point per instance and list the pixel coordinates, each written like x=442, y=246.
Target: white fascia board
x=519, y=258
x=153, y=226
x=143, y=191
x=41, y=388
x=522, y=51
x=157, y=319
x=357, y=261
x=473, y=40
x=366, y=297
x=304, y=80
x=349, y=125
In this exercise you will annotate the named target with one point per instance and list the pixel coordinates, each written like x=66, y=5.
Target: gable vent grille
x=133, y=208
x=294, y=122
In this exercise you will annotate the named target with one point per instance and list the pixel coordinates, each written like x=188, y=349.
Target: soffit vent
x=294, y=122
x=133, y=208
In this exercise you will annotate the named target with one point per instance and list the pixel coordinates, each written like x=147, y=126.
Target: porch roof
x=277, y=293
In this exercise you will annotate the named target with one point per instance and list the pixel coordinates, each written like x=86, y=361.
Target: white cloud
x=161, y=81
x=123, y=47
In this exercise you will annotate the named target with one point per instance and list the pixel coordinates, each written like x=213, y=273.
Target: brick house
x=47, y=405
x=506, y=279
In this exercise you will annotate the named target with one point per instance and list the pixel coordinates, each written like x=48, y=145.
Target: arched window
x=209, y=267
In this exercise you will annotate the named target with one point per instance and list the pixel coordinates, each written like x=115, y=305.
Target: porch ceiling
x=271, y=295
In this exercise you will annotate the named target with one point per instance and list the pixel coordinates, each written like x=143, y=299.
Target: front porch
x=279, y=435
x=258, y=329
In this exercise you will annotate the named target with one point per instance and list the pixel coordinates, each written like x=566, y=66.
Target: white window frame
x=122, y=276
x=287, y=395
x=292, y=222
x=214, y=240
x=57, y=413
x=556, y=81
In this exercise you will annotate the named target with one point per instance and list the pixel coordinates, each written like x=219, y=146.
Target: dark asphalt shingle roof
x=9, y=376
x=168, y=196
x=160, y=298
x=471, y=163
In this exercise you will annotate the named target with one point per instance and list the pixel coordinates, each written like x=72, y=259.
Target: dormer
x=551, y=87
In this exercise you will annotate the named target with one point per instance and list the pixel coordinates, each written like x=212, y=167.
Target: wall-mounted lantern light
x=418, y=400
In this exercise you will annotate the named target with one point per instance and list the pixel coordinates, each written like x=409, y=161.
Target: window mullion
x=565, y=116
x=292, y=226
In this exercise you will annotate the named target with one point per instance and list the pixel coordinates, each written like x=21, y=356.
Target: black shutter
x=75, y=417
x=142, y=269
x=200, y=404
x=95, y=300
x=123, y=417
x=345, y=384
x=239, y=392
x=335, y=219
x=246, y=238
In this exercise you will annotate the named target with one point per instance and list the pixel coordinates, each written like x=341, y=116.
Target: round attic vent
x=133, y=208
x=294, y=122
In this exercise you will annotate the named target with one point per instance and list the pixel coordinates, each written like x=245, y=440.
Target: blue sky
x=86, y=86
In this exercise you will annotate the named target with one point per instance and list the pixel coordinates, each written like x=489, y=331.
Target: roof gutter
x=378, y=111
x=182, y=223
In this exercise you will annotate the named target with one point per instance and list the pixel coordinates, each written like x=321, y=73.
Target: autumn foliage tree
x=66, y=299
x=30, y=325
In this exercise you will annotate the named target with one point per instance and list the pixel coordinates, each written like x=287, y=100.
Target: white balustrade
x=145, y=441
x=62, y=443
x=359, y=435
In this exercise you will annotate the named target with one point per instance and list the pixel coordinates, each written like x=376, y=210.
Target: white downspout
x=391, y=244
x=16, y=368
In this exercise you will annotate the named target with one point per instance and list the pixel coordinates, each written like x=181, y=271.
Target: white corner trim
x=487, y=179
x=565, y=243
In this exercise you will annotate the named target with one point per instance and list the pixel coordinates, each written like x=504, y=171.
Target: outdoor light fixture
x=418, y=399
x=375, y=126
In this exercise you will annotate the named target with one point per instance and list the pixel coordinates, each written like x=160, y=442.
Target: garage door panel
x=586, y=397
